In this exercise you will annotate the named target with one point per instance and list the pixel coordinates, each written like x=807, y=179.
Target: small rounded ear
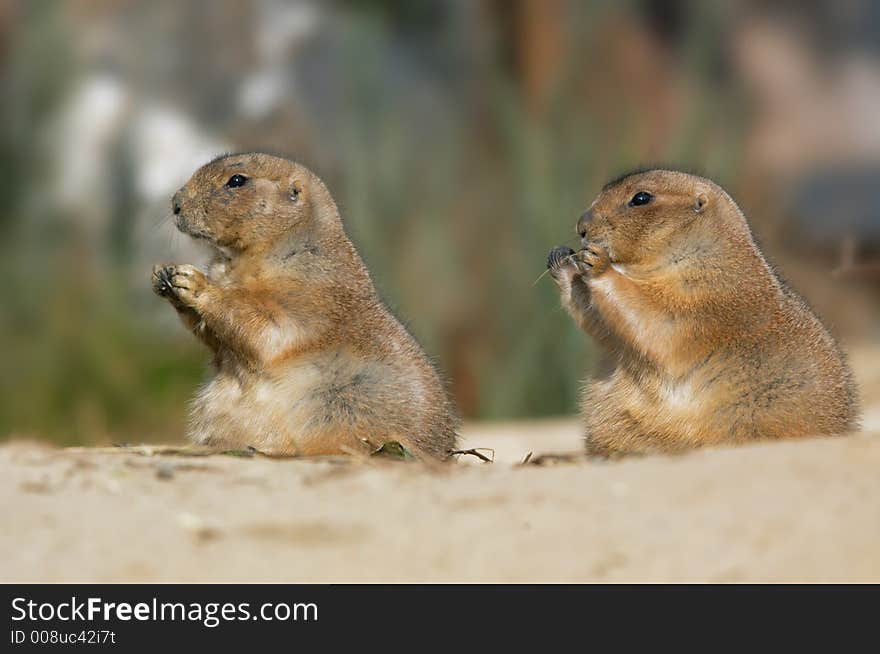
x=295, y=190
x=700, y=202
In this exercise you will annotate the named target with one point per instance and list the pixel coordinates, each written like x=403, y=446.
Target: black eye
x=236, y=180
x=641, y=198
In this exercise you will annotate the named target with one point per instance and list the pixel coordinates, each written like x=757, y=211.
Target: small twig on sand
x=526, y=459
x=475, y=451
x=552, y=459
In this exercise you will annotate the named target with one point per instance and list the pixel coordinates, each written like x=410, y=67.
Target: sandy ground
x=793, y=511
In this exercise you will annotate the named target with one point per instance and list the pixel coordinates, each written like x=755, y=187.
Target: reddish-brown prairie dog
x=307, y=360
x=710, y=345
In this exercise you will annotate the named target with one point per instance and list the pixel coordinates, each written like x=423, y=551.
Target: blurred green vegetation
x=83, y=369
x=454, y=219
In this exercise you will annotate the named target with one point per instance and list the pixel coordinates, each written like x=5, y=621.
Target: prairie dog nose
x=175, y=203
x=585, y=218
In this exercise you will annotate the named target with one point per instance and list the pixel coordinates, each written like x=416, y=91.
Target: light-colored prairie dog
x=307, y=359
x=711, y=346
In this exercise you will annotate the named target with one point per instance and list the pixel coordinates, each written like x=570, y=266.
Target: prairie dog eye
x=640, y=199
x=236, y=180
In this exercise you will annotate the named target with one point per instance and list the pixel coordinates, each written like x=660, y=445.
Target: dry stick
x=474, y=452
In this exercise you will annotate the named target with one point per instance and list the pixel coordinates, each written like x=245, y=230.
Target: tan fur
x=711, y=347
x=307, y=358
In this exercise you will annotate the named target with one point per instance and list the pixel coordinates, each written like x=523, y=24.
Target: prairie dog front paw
x=563, y=264
x=594, y=258
x=162, y=280
x=183, y=284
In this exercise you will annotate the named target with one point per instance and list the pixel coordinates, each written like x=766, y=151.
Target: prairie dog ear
x=701, y=200
x=317, y=198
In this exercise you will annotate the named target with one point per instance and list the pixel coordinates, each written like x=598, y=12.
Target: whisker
x=151, y=227
x=160, y=216
x=157, y=225
x=541, y=276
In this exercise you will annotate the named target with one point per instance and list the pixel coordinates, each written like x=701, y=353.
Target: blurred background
x=461, y=140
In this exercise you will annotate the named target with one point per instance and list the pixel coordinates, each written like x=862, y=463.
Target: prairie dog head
x=646, y=217
x=253, y=202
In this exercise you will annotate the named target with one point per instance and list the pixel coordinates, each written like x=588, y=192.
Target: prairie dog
x=307, y=360
x=710, y=345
